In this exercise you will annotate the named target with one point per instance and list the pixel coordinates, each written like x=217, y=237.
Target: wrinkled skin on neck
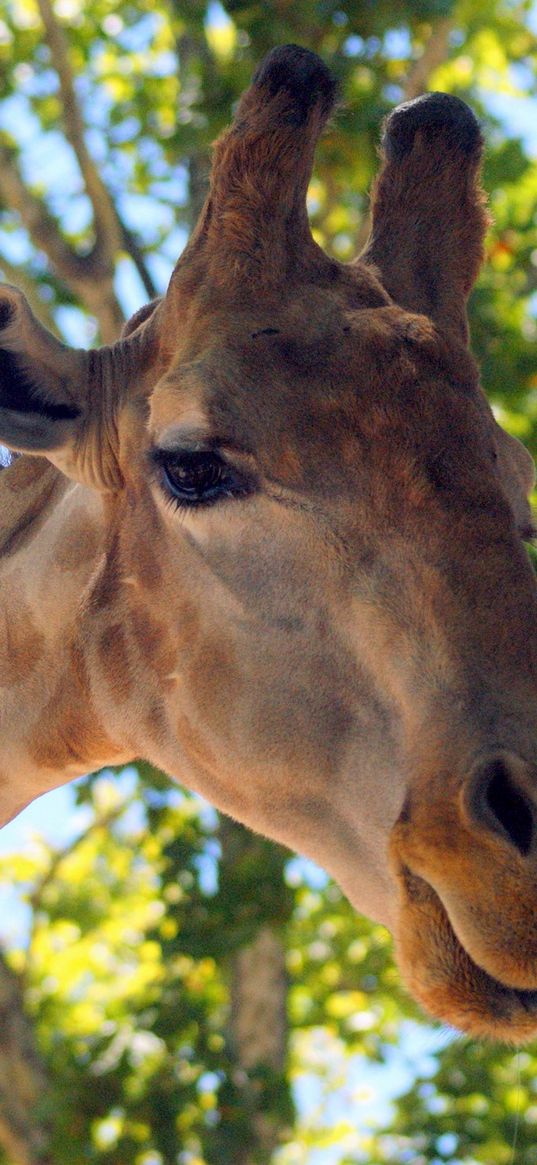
x=333, y=636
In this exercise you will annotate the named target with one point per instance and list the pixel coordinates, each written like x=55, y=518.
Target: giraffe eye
x=198, y=477
x=195, y=477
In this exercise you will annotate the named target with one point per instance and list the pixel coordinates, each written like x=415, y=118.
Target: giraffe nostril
x=498, y=802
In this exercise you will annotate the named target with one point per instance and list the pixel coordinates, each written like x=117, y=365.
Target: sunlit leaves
x=479, y=1105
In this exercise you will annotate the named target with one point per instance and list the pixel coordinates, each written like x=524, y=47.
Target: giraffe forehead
x=254, y=384
x=312, y=340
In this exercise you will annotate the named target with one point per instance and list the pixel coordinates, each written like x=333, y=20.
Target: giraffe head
x=294, y=533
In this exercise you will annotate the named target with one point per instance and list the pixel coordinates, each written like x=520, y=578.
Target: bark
x=111, y=233
x=42, y=226
x=133, y=248
x=258, y=1007
x=107, y=228
x=101, y=300
x=258, y=1028
x=434, y=53
x=258, y=1037
x=16, y=275
x=89, y=276
x=24, y=1136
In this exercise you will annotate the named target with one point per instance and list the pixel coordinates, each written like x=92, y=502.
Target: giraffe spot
x=69, y=730
x=306, y=729
x=149, y=633
x=146, y=565
x=58, y=747
x=106, y=585
x=155, y=644
x=156, y=721
x=26, y=515
x=114, y=660
x=189, y=617
x=141, y=544
x=22, y=644
x=160, y=647
x=25, y=472
x=213, y=672
x=77, y=545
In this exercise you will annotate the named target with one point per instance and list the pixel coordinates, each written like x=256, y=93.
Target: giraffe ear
x=42, y=383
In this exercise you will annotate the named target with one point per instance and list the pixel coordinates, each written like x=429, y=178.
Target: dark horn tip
x=437, y=115
x=302, y=73
x=6, y=313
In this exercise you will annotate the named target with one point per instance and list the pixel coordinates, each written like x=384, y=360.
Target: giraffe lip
x=455, y=988
x=518, y=992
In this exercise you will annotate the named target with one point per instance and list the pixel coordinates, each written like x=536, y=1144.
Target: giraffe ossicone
x=272, y=542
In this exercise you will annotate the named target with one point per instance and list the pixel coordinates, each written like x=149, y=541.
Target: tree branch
x=59, y=856
x=107, y=226
x=110, y=232
x=258, y=1035
x=90, y=277
x=434, y=53
x=133, y=249
x=258, y=1026
x=17, y=275
x=40, y=224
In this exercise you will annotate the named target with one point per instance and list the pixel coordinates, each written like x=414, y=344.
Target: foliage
x=126, y=977
x=480, y=1104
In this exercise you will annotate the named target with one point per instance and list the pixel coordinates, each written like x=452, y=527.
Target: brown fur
x=345, y=656
x=22, y=643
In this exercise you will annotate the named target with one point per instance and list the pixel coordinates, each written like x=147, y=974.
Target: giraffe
x=272, y=542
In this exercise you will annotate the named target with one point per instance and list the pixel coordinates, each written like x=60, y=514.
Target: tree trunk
x=258, y=1037
x=257, y=1111
x=258, y=1002
x=24, y=1135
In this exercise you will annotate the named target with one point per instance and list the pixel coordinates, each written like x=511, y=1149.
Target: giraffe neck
x=50, y=545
